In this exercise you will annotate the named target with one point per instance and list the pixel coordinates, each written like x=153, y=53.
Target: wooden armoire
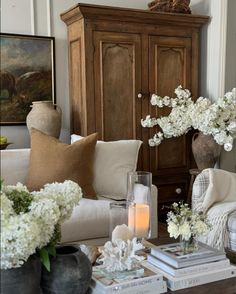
x=117, y=58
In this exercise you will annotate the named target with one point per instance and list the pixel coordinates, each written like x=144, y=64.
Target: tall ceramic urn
x=46, y=117
x=205, y=150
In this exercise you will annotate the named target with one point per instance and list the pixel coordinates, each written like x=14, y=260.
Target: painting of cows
x=26, y=74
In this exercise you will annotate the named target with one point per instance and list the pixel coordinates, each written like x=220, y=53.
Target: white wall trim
x=49, y=22
x=222, y=52
x=32, y=16
x=216, y=52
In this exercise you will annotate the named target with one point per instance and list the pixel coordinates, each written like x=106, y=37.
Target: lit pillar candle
x=141, y=193
x=139, y=219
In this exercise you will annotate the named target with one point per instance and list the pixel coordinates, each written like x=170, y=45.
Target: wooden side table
x=193, y=172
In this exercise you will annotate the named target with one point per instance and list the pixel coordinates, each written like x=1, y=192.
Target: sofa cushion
x=89, y=220
x=113, y=161
x=53, y=161
x=14, y=165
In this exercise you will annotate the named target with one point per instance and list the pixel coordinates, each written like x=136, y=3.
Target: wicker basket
x=174, y=6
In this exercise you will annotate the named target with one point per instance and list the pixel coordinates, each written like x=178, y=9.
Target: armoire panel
x=77, y=111
x=117, y=73
x=169, y=67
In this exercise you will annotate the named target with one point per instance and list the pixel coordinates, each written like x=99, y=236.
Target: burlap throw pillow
x=53, y=161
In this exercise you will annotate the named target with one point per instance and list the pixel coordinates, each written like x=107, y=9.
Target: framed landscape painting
x=27, y=74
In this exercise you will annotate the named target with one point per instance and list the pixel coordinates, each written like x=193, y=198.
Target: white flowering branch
x=217, y=119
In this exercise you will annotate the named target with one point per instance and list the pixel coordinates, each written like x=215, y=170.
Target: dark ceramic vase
x=22, y=280
x=70, y=272
x=206, y=151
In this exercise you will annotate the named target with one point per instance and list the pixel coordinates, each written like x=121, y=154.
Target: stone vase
x=70, y=272
x=205, y=150
x=22, y=280
x=46, y=117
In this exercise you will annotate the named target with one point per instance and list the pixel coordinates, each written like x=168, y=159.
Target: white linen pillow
x=113, y=160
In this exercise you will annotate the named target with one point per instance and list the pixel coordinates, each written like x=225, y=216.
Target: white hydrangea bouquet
x=217, y=119
x=30, y=222
x=187, y=224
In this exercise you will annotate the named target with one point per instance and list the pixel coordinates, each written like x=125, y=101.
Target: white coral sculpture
x=121, y=255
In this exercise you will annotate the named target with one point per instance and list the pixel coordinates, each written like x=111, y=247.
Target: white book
x=193, y=280
x=144, y=289
x=174, y=256
x=108, y=283
x=185, y=271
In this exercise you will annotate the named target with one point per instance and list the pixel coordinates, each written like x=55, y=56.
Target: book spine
x=137, y=283
x=200, y=280
x=157, y=288
x=146, y=281
x=188, y=270
x=164, y=258
x=202, y=268
x=206, y=256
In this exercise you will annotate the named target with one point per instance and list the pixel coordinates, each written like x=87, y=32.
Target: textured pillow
x=53, y=161
x=112, y=162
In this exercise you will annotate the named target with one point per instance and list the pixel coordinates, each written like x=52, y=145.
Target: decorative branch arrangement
x=217, y=119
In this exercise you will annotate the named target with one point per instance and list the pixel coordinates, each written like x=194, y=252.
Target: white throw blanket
x=219, y=202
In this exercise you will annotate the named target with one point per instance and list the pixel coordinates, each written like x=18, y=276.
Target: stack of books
x=140, y=281
x=181, y=271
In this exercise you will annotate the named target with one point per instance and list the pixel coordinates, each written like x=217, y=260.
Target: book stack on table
x=181, y=271
x=143, y=280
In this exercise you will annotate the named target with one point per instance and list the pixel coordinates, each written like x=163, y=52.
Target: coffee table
x=227, y=286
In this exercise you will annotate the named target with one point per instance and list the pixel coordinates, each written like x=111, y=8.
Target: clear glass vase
x=189, y=246
x=118, y=215
x=139, y=203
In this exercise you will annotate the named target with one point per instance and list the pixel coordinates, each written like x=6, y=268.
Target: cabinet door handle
x=143, y=95
x=140, y=95
x=178, y=190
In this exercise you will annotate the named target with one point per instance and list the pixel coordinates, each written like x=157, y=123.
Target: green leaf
x=51, y=250
x=1, y=184
x=44, y=257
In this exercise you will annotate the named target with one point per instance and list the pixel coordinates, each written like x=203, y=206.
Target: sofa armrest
x=200, y=186
x=154, y=209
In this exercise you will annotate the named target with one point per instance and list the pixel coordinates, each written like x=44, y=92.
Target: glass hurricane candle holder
x=118, y=216
x=138, y=202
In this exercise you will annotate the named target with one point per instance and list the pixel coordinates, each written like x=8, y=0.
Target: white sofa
x=89, y=223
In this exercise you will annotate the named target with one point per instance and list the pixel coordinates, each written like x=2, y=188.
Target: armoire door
x=169, y=67
x=117, y=81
